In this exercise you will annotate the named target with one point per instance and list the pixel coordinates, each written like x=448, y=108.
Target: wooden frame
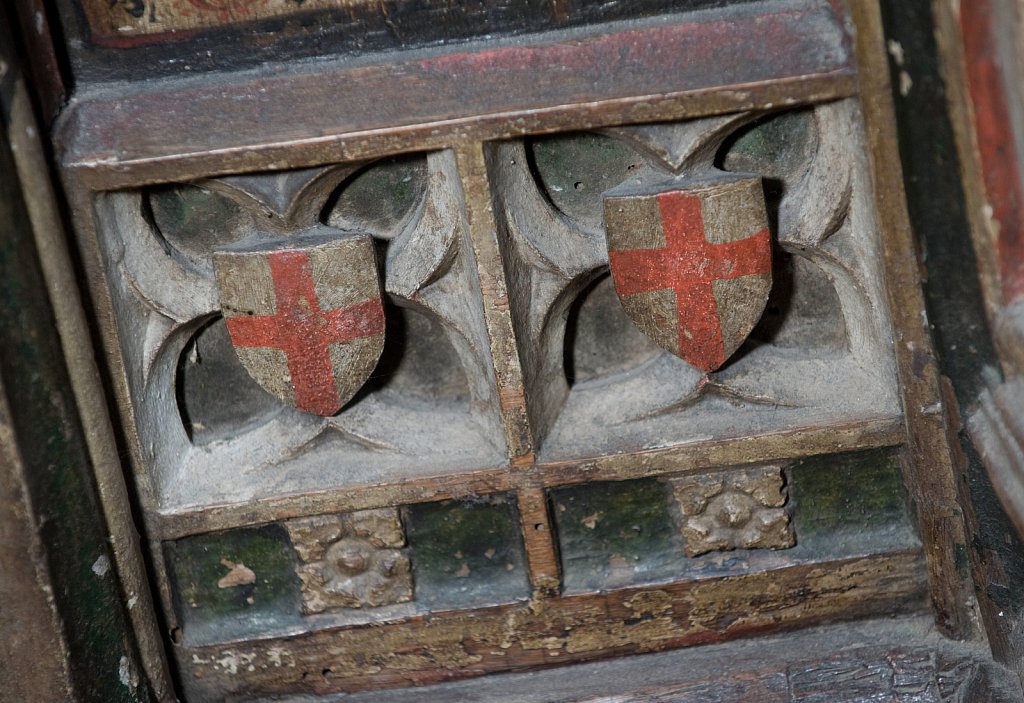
x=177, y=132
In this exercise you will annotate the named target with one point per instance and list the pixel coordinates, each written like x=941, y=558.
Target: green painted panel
x=847, y=504
x=215, y=600
x=615, y=534
x=467, y=553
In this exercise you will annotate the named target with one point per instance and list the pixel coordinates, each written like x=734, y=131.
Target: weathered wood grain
x=723, y=673
x=33, y=655
x=118, y=22
x=81, y=461
x=576, y=80
x=865, y=675
x=539, y=540
x=446, y=646
x=491, y=274
x=929, y=467
x=164, y=30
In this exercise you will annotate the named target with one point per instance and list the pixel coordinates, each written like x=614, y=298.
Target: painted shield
x=692, y=263
x=305, y=317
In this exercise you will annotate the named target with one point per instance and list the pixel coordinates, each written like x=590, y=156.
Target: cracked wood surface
x=446, y=646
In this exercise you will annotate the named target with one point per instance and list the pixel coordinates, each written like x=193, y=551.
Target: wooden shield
x=692, y=263
x=305, y=317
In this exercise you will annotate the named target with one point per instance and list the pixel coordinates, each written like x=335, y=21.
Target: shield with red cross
x=305, y=316
x=691, y=263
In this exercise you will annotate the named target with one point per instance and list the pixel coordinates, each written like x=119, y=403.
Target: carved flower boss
x=352, y=560
x=739, y=509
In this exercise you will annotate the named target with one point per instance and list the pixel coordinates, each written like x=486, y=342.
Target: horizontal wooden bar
x=883, y=659
x=795, y=443
x=454, y=645
x=664, y=68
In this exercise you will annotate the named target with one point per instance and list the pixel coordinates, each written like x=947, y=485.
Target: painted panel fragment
x=467, y=553
x=127, y=18
x=851, y=503
x=613, y=534
x=238, y=583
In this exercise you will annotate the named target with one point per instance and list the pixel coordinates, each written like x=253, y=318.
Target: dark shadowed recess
x=218, y=399
x=953, y=297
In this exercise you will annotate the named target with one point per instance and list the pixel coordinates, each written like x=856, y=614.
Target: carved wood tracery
x=485, y=392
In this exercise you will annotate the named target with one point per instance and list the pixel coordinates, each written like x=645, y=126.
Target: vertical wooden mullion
x=504, y=348
x=928, y=464
x=539, y=539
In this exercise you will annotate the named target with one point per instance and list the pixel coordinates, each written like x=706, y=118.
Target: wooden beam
x=290, y=117
x=446, y=646
x=795, y=443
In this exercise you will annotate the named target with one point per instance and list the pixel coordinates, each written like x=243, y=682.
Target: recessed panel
x=797, y=338
x=467, y=553
x=349, y=349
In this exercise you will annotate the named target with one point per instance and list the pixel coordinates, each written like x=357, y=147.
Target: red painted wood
x=305, y=332
x=996, y=143
x=689, y=264
x=543, y=76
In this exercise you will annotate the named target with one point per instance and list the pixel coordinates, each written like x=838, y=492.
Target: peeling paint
x=239, y=575
x=101, y=566
x=232, y=661
x=277, y=656
x=126, y=674
x=441, y=647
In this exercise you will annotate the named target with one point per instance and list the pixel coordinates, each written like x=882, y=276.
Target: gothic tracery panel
x=328, y=416
x=217, y=411
x=820, y=352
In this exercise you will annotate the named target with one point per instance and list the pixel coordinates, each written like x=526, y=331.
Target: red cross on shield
x=691, y=263
x=305, y=316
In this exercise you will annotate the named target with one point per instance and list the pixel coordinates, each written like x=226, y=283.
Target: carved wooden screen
x=521, y=353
